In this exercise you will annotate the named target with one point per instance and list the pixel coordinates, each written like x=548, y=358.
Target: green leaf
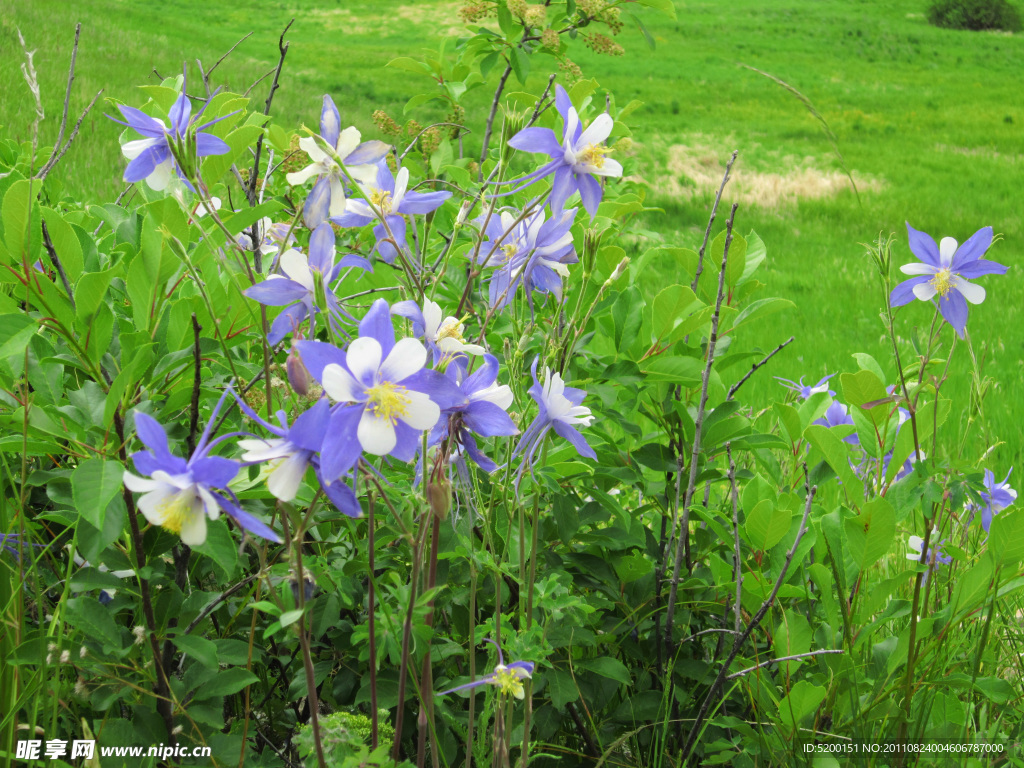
x=561, y=688
x=767, y=524
x=627, y=316
x=202, y=650
x=220, y=547
x=226, y=683
x=760, y=308
x=15, y=332
x=687, y=371
x=421, y=98
x=89, y=292
x=837, y=454
x=801, y=702
x=290, y=617
x=94, y=620
x=520, y=62
x=670, y=307
x=789, y=420
x=645, y=32
x=633, y=567
x=94, y=483
x=870, y=534
x=409, y=65
x=927, y=419
x=792, y=638
x=865, y=387
x=1006, y=537
x=608, y=667
x=239, y=140
x=16, y=207
x=65, y=243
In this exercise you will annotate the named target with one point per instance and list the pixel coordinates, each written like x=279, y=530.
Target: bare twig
x=490, y=119
x=737, y=553
x=712, y=693
x=742, y=672
x=695, y=635
x=711, y=220
x=250, y=193
x=682, y=543
x=755, y=366
x=55, y=260
x=230, y=51
x=416, y=138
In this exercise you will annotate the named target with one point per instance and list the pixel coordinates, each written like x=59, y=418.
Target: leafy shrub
x=974, y=14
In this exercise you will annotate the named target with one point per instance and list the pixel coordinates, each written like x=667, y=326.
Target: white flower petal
x=209, y=504
x=348, y=140
x=139, y=484
x=918, y=268
x=193, y=530
x=597, y=131
x=299, y=178
x=406, y=358
x=340, y=386
x=973, y=293
x=610, y=167
x=363, y=359
x=499, y=394
x=264, y=450
x=310, y=147
x=924, y=291
x=295, y=264
x=132, y=149
x=285, y=478
x=422, y=413
x=337, y=206
x=432, y=317
x=161, y=176
x=401, y=185
x=376, y=435
x=947, y=249
x=154, y=504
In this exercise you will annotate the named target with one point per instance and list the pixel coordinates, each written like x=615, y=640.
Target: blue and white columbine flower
x=296, y=288
x=576, y=160
x=384, y=397
x=292, y=451
x=508, y=679
x=179, y=495
x=390, y=199
x=806, y=390
x=442, y=335
x=535, y=253
x=931, y=557
x=997, y=497
x=559, y=409
x=943, y=273
x=484, y=411
x=328, y=195
x=151, y=158
x=838, y=415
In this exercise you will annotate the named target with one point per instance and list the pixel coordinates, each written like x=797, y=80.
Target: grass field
x=929, y=121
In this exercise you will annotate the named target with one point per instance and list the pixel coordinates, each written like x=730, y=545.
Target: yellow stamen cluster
x=508, y=682
x=177, y=510
x=594, y=154
x=451, y=329
x=381, y=200
x=388, y=401
x=942, y=282
x=510, y=250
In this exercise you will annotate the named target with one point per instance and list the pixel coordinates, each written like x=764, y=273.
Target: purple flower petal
x=208, y=144
x=287, y=322
x=180, y=112
x=314, y=211
x=330, y=121
x=437, y=387
x=146, y=162
x=422, y=202
x=316, y=355
x=562, y=186
x=537, y=140
x=142, y=123
x=377, y=324
x=573, y=435
x=321, y=248
x=590, y=192
x=973, y=249
x=981, y=267
x=341, y=448
x=488, y=419
x=309, y=429
x=246, y=521
x=276, y=292
x=367, y=153
x=904, y=292
x=923, y=246
x=953, y=307
x=214, y=471
x=342, y=496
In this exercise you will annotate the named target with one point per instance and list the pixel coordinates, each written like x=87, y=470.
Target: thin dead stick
x=490, y=119
x=412, y=143
x=742, y=672
x=682, y=542
x=250, y=192
x=755, y=366
x=748, y=631
x=230, y=51
x=695, y=635
x=711, y=220
x=737, y=554
x=55, y=260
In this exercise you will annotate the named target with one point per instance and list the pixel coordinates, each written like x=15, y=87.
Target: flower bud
x=439, y=495
x=298, y=374
x=591, y=245
x=513, y=123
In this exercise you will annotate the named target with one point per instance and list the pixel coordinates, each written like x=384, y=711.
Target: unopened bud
x=591, y=244
x=298, y=374
x=439, y=494
x=513, y=123
x=619, y=269
x=467, y=206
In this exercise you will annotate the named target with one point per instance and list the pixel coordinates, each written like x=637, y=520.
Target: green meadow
x=929, y=122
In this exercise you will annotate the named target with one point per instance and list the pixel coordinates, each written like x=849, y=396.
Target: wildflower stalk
x=683, y=542
x=372, y=620
x=908, y=677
